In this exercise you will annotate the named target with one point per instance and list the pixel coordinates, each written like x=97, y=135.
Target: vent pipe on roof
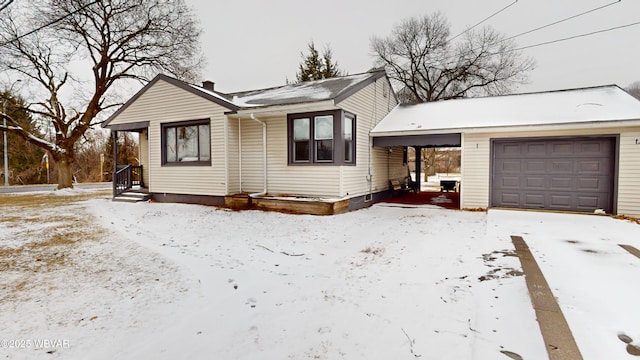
x=208, y=85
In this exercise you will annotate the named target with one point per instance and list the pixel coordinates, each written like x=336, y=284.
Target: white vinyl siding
x=252, y=156
x=629, y=173
x=165, y=103
x=476, y=164
x=475, y=171
x=283, y=179
x=233, y=162
x=143, y=151
x=370, y=105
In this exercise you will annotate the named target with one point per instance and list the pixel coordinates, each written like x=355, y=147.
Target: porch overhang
x=426, y=140
x=135, y=126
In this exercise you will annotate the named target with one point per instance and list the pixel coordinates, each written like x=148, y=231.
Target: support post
x=5, y=148
x=114, y=134
x=418, y=167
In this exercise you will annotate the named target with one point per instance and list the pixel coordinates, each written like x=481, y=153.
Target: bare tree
x=422, y=57
x=86, y=48
x=634, y=89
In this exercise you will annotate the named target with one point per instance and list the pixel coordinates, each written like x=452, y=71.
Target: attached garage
x=568, y=150
x=573, y=174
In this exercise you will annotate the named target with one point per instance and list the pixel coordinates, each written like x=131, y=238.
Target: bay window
x=318, y=138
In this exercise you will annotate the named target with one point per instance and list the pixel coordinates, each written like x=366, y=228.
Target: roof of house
x=336, y=89
x=585, y=105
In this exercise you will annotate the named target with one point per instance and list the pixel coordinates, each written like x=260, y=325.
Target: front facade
x=301, y=141
x=572, y=150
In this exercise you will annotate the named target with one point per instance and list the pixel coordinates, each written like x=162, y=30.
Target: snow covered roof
x=595, y=104
x=336, y=89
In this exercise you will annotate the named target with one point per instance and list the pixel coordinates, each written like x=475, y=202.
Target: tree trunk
x=65, y=173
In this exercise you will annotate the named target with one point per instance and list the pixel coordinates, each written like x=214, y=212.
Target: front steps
x=132, y=196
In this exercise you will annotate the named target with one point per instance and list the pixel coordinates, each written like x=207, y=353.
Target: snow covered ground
x=104, y=280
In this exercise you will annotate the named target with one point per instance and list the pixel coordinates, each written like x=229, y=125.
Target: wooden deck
x=449, y=200
x=288, y=205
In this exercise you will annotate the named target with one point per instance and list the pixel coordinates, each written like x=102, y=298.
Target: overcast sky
x=252, y=44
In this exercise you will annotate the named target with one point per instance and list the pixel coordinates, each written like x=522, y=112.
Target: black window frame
x=354, y=136
x=177, y=124
x=338, y=157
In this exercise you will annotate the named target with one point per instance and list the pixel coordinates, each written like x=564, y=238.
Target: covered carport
x=568, y=150
x=418, y=142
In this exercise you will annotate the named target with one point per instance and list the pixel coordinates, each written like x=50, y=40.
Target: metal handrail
x=126, y=177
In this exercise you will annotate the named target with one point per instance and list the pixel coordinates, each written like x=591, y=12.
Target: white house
x=303, y=147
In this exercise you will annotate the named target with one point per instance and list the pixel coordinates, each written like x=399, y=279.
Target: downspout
x=264, y=156
x=373, y=124
x=240, y=152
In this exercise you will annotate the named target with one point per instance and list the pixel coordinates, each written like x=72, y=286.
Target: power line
x=561, y=20
x=446, y=60
x=53, y=22
x=485, y=19
x=4, y=4
x=576, y=36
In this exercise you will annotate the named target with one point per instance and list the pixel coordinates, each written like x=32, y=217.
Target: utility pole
x=4, y=137
x=4, y=131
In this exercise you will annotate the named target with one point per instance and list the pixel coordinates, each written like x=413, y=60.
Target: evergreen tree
x=315, y=67
x=25, y=159
x=330, y=67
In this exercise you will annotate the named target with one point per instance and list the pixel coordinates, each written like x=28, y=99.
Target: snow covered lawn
x=104, y=280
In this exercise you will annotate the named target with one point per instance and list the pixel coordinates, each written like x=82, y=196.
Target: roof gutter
x=264, y=156
x=280, y=109
x=598, y=124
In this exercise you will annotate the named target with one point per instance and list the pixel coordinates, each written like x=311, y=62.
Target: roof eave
x=346, y=93
x=596, y=124
x=175, y=82
x=278, y=110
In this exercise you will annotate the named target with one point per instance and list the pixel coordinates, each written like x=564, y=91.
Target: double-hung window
x=325, y=137
x=186, y=143
x=348, y=131
x=301, y=137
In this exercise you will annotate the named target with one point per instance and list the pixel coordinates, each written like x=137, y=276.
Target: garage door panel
x=561, y=149
x=560, y=201
x=593, y=184
x=512, y=182
x=595, y=148
x=535, y=166
x=536, y=182
x=510, y=199
x=511, y=150
x=567, y=174
x=560, y=166
x=508, y=166
x=588, y=202
x=533, y=200
x=535, y=149
x=562, y=183
x=593, y=166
